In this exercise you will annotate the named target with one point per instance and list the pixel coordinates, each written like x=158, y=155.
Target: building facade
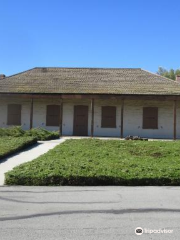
x=92, y=102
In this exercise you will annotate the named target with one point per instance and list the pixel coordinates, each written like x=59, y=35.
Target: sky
x=96, y=33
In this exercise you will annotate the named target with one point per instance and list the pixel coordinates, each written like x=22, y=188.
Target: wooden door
x=80, y=120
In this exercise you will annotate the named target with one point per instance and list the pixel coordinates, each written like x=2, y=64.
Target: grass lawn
x=9, y=145
x=103, y=162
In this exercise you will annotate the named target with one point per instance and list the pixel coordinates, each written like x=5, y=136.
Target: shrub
x=12, y=131
x=102, y=162
x=10, y=145
x=42, y=134
x=38, y=133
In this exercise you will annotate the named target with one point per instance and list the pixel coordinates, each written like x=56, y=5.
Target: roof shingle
x=89, y=81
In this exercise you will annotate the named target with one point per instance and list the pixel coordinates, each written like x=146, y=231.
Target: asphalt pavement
x=86, y=213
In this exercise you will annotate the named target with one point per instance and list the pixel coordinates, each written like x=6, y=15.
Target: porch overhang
x=92, y=96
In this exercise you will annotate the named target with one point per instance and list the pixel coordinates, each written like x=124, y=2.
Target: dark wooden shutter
x=14, y=114
x=108, y=119
x=150, y=118
x=52, y=115
x=80, y=120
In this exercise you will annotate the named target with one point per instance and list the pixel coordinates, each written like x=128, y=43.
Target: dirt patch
x=157, y=155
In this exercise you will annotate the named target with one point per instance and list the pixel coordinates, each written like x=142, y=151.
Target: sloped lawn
x=10, y=145
x=102, y=162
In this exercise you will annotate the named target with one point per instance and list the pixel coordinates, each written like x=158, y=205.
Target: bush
x=38, y=133
x=102, y=162
x=10, y=145
x=57, y=180
x=42, y=134
x=12, y=131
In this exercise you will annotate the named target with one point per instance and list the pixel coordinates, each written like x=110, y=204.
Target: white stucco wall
x=133, y=119
x=178, y=121
x=25, y=112
x=133, y=111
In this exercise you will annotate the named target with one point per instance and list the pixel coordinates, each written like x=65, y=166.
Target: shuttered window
x=14, y=114
x=150, y=118
x=108, y=117
x=52, y=115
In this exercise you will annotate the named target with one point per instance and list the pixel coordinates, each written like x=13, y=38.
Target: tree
x=171, y=74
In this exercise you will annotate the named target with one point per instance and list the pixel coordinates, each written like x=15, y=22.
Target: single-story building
x=92, y=102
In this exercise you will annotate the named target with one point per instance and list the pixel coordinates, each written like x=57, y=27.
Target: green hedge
x=14, y=139
x=56, y=180
x=42, y=134
x=38, y=133
x=102, y=162
x=10, y=145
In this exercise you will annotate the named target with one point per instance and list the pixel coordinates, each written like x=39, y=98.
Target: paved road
x=86, y=213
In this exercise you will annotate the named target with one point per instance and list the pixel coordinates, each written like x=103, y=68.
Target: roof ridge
x=85, y=68
x=69, y=68
x=20, y=73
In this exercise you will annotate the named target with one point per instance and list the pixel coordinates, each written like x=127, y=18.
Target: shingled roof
x=89, y=81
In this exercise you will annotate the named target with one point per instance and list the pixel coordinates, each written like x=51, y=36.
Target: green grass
x=38, y=133
x=102, y=162
x=10, y=145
